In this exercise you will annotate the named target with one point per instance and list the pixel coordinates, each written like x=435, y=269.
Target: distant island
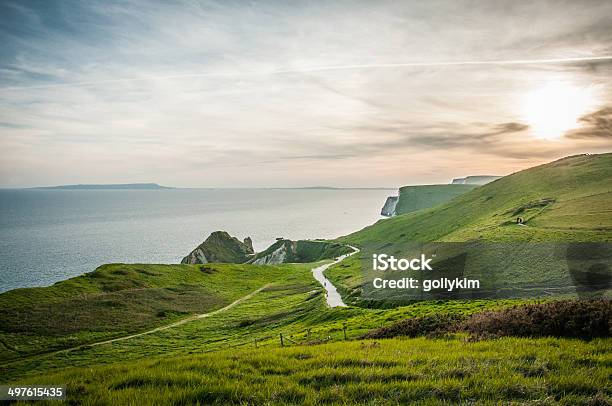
x=121, y=186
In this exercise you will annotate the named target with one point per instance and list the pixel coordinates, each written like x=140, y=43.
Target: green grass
x=293, y=304
x=397, y=371
x=565, y=201
x=578, y=188
x=118, y=299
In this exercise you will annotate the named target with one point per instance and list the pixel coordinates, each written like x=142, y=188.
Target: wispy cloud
x=268, y=93
x=595, y=125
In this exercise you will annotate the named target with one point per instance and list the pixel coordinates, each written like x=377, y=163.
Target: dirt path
x=333, y=297
x=171, y=325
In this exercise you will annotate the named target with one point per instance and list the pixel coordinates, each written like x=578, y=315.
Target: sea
x=51, y=235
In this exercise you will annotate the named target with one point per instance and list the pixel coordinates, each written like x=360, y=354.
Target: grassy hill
x=560, y=202
x=45, y=329
x=119, y=299
x=413, y=198
x=565, y=200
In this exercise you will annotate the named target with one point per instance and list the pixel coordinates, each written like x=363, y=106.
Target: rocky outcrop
x=221, y=247
x=287, y=251
x=475, y=180
x=389, y=207
x=278, y=253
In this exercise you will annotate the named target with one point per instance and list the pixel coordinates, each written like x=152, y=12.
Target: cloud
x=267, y=93
x=595, y=125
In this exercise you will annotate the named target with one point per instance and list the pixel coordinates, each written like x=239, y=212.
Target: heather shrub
x=564, y=318
x=433, y=325
x=584, y=319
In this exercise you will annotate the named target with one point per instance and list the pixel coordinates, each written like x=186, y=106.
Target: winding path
x=333, y=297
x=175, y=324
x=333, y=300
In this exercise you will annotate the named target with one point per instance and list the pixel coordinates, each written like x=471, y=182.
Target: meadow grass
x=118, y=299
x=293, y=305
x=394, y=371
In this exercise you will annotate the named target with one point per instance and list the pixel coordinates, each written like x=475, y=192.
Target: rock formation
x=221, y=247
x=389, y=207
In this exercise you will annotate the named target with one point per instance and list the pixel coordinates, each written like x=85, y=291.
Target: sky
x=298, y=93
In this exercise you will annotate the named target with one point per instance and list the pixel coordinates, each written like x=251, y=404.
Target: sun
x=555, y=108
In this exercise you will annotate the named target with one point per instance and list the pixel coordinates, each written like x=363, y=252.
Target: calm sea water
x=51, y=235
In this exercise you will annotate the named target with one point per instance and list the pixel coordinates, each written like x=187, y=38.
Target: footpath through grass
x=293, y=305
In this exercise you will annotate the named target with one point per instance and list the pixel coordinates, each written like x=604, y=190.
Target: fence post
x=308, y=335
x=281, y=339
x=344, y=329
x=255, y=343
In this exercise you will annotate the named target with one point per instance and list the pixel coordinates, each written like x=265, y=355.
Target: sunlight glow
x=555, y=108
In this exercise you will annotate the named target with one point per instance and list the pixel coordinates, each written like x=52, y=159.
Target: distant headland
x=121, y=186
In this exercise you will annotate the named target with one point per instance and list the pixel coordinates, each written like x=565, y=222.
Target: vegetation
x=396, y=371
x=585, y=319
x=119, y=299
x=432, y=325
x=563, y=203
x=578, y=189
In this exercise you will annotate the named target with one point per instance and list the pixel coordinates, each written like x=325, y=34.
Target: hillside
x=565, y=200
x=117, y=299
x=263, y=334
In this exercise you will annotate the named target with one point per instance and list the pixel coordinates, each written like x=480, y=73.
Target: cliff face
x=221, y=247
x=413, y=198
x=287, y=251
x=475, y=180
x=389, y=207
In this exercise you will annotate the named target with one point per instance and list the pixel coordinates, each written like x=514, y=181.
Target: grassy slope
x=543, y=371
x=117, y=299
x=413, y=198
x=581, y=187
x=293, y=305
x=566, y=200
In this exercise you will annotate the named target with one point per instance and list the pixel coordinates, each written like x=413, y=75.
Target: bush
x=568, y=318
x=433, y=325
x=584, y=319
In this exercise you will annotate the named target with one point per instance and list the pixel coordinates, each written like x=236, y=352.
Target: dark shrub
x=436, y=324
x=567, y=318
